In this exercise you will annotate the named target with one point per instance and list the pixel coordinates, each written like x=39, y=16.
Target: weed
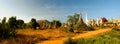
x=112, y=37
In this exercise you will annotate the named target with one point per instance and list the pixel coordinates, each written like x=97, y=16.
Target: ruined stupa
x=82, y=25
x=80, y=21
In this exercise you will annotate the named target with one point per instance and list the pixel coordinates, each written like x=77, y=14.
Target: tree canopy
x=33, y=23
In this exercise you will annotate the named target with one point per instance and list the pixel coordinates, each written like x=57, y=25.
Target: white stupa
x=97, y=22
x=86, y=19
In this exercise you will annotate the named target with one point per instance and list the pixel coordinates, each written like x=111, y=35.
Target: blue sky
x=58, y=9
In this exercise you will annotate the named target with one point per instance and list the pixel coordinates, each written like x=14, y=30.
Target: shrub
x=71, y=28
x=55, y=24
x=112, y=37
x=20, y=24
x=12, y=23
x=7, y=30
x=116, y=29
x=69, y=41
x=7, y=33
x=34, y=24
x=76, y=26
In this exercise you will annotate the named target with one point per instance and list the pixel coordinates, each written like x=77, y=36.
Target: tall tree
x=70, y=19
x=20, y=23
x=73, y=19
x=33, y=23
x=76, y=22
x=8, y=29
x=12, y=22
x=56, y=23
x=3, y=23
x=76, y=18
x=4, y=20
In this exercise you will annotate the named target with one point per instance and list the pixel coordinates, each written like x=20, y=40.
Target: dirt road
x=84, y=35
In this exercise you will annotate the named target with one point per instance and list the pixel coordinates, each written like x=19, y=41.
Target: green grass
x=112, y=37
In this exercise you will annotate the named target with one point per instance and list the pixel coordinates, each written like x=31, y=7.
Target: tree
x=70, y=20
x=73, y=19
x=6, y=29
x=76, y=22
x=4, y=23
x=71, y=28
x=0, y=25
x=20, y=23
x=24, y=25
x=12, y=22
x=4, y=20
x=56, y=23
x=33, y=23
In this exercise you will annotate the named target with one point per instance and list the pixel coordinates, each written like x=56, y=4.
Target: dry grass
x=80, y=35
x=29, y=36
x=47, y=33
x=22, y=39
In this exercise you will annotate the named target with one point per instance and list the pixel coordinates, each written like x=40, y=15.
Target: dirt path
x=84, y=35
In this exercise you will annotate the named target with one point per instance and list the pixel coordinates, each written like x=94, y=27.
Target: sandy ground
x=83, y=35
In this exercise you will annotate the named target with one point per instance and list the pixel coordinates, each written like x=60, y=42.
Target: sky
x=59, y=9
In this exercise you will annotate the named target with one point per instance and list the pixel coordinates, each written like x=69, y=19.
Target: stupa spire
x=86, y=18
x=97, y=22
x=80, y=19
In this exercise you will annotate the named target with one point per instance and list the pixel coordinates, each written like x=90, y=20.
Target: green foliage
x=82, y=27
x=7, y=33
x=116, y=29
x=55, y=24
x=20, y=24
x=77, y=23
x=73, y=19
x=69, y=41
x=12, y=22
x=34, y=24
x=71, y=28
x=112, y=37
x=24, y=26
x=3, y=24
x=28, y=25
x=6, y=29
x=76, y=26
x=4, y=20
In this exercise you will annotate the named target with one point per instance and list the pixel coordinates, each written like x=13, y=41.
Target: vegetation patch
x=116, y=29
x=22, y=39
x=112, y=37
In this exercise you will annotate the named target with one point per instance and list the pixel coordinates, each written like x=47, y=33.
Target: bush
x=34, y=24
x=112, y=37
x=69, y=41
x=7, y=30
x=55, y=24
x=12, y=23
x=20, y=24
x=71, y=28
x=6, y=33
x=76, y=26
x=116, y=29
